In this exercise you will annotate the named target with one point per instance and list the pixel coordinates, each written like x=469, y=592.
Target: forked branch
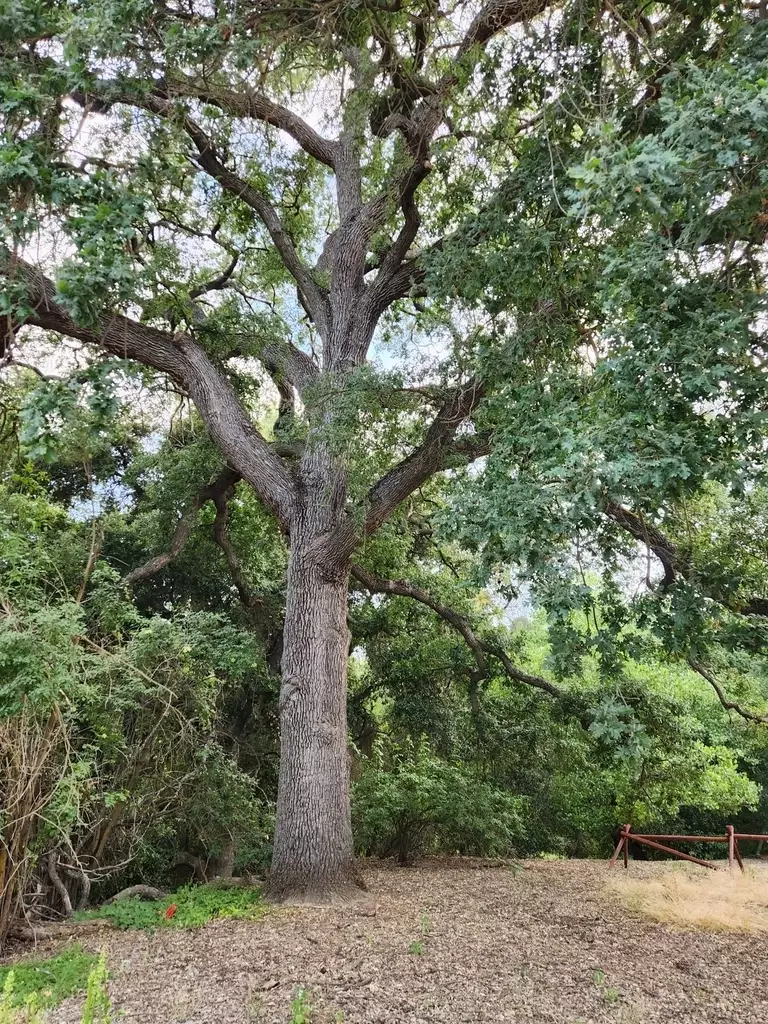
x=220, y=493
x=664, y=549
x=215, y=491
x=429, y=458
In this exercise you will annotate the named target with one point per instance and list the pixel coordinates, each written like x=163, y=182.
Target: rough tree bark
x=313, y=853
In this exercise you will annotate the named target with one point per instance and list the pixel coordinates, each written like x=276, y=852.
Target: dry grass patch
x=720, y=901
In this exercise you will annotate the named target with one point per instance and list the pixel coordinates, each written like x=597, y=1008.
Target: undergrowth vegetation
x=409, y=801
x=41, y=983
x=188, y=907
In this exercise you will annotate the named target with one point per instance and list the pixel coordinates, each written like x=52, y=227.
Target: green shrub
x=193, y=905
x=301, y=1008
x=29, y=1010
x=408, y=802
x=98, y=1007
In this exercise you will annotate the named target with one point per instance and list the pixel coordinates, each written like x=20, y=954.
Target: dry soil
x=449, y=943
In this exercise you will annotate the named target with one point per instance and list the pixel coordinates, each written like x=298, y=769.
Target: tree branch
x=217, y=283
x=48, y=377
x=427, y=459
x=184, y=361
x=208, y=159
x=221, y=536
x=97, y=539
x=729, y=705
x=480, y=648
x=246, y=102
x=396, y=275
x=664, y=549
x=674, y=562
x=213, y=492
x=387, y=286
x=468, y=449
x=495, y=17
x=283, y=357
x=311, y=295
x=219, y=492
x=403, y=588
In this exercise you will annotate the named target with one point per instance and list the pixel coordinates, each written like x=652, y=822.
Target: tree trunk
x=313, y=857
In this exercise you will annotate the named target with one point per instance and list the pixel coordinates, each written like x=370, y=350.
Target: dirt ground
x=539, y=944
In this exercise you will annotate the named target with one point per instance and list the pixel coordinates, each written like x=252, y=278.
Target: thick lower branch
x=674, y=562
x=480, y=648
x=184, y=361
x=403, y=588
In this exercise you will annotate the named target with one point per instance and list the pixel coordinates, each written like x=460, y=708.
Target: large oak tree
x=225, y=192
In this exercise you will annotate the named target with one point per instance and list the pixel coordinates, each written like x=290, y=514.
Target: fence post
x=738, y=854
x=622, y=845
x=731, y=845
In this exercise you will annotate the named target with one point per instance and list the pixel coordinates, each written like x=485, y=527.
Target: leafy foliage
x=188, y=907
x=48, y=980
x=408, y=802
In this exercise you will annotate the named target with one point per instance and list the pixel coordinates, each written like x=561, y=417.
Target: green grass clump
x=47, y=982
x=195, y=905
x=98, y=1006
x=301, y=1008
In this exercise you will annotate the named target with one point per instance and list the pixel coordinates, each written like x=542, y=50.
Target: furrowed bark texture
x=313, y=854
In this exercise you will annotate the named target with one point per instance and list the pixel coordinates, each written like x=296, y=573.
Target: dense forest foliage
x=541, y=474
x=146, y=717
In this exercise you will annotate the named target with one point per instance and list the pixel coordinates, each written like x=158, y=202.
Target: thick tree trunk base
x=313, y=859
x=294, y=893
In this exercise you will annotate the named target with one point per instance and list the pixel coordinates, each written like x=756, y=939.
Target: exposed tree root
x=144, y=892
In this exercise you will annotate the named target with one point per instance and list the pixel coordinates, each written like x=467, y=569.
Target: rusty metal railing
x=731, y=837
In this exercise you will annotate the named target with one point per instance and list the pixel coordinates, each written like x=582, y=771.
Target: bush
x=27, y=989
x=408, y=801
